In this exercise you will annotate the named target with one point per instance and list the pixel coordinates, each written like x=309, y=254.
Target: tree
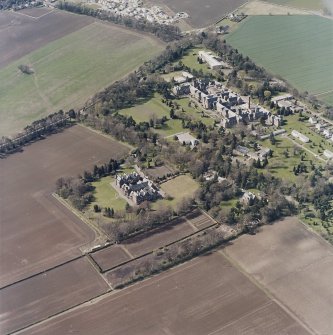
x=71, y=114
x=272, y=139
x=267, y=94
x=265, y=162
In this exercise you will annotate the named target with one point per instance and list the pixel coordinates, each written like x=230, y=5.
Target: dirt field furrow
x=295, y=266
x=18, y=32
x=204, y=296
x=49, y=293
x=37, y=232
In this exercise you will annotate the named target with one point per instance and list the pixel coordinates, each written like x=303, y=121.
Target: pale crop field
x=298, y=48
x=68, y=71
x=304, y=4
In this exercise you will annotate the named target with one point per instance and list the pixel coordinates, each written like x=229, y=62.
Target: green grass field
x=178, y=188
x=68, y=71
x=155, y=108
x=303, y=4
x=298, y=48
x=147, y=110
x=190, y=59
x=280, y=166
x=193, y=113
x=316, y=139
x=106, y=196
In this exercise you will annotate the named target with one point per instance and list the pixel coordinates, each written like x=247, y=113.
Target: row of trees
x=142, y=219
x=169, y=256
x=35, y=131
x=165, y=32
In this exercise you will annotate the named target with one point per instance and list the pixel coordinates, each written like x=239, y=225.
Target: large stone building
x=230, y=106
x=136, y=188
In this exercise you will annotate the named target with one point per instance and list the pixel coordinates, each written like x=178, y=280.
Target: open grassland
x=204, y=296
x=257, y=7
x=298, y=48
x=68, y=71
x=303, y=4
x=19, y=30
x=203, y=14
x=37, y=232
x=295, y=266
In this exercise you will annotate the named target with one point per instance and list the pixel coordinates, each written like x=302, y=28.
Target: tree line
x=35, y=131
x=170, y=256
x=166, y=33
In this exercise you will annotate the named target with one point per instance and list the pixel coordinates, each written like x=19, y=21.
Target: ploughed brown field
x=18, y=30
x=48, y=293
x=37, y=232
x=110, y=257
x=203, y=13
x=157, y=238
x=142, y=244
x=295, y=265
x=204, y=296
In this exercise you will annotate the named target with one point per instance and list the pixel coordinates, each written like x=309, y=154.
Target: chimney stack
x=249, y=102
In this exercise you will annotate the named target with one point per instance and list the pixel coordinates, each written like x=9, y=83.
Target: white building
x=279, y=132
x=187, y=139
x=300, y=136
x=320, y=126
x=282, y=98
x=212, y=60
x=313, y=120
x=187, y=75
x=327, y=133
x=328, y=154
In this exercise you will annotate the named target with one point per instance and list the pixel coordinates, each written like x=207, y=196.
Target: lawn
x=68, y=71
x=153, y=108
x=194, y=113
x=106, y=196
x=325, y=228
x=190, y=60
x=178, y=188
x=171, y=127
x=281, y=166
x=303, y=127
x=298, y=48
